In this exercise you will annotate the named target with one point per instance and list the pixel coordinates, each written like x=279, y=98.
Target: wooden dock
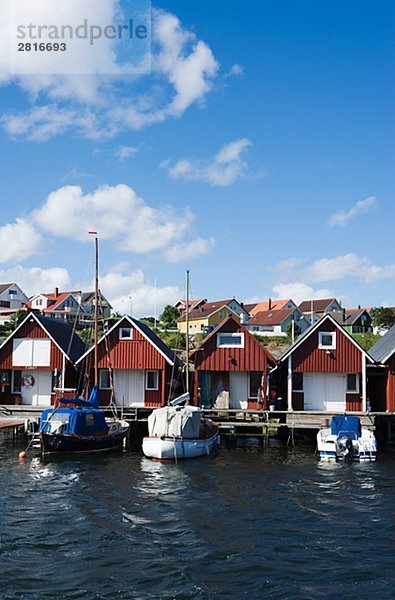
x=11, y=426
x=231, y=422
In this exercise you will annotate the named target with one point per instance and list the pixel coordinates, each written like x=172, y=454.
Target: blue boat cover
x=77, y=421
x=92, y=402
x=345, y=425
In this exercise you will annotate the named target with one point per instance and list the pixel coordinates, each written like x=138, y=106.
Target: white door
x=36, y=387
x=129, y=387
x=238, y=390
x=325, y=391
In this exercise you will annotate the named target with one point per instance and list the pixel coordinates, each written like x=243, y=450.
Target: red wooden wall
x=346, y=358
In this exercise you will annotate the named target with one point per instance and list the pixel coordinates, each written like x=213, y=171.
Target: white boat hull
x=176, y=448
x=364, y=449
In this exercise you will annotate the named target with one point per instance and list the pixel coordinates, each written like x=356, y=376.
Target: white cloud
x=235, y=71
x=19, y=240
x=128, y=292
x=349, y=265
x=189, y=250
x=34, y=280
x=287, y=264
x=116, y=212
x=222, y=170
x=342, y=217
x=126, y=151
x=41, y=123
x=183, y=73
x=299, y=291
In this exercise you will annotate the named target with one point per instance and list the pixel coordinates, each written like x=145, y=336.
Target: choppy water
x=242, y=524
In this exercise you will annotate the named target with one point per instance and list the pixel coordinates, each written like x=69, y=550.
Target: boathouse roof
x=385, y=347
x=61, y=333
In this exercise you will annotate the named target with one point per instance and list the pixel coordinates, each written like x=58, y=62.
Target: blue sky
x=259, y=154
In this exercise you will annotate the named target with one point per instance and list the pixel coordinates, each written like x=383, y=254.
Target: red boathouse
x=231, y=369
x=36, y=358
x=325, y=370
x=134, y=365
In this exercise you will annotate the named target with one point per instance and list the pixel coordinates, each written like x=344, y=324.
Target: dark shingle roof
x=385, y=347
x=63, y=334
x=350, y=316
x=151, y=335
x=319, y=305
x=4, y=287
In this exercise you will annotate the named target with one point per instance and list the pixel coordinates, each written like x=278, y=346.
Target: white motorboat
x=178, y=432
x=346, y=440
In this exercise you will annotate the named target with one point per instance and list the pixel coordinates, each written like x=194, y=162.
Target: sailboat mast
x=96, y=309
x=187, y=326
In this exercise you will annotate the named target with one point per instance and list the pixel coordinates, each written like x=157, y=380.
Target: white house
x=12, y=299
x=276, y=322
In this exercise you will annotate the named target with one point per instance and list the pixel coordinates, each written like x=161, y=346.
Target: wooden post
x=364, y=382
x=289, y=383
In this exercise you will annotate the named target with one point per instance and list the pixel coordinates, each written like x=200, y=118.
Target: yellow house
x=209, y=316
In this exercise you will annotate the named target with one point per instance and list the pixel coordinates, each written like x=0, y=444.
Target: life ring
x=28, y=381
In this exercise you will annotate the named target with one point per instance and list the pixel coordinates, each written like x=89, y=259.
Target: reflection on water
x=242, y=524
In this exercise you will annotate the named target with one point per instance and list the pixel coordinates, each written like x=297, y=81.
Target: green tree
x=169, y=317
x=383, y=318
x=297, y=330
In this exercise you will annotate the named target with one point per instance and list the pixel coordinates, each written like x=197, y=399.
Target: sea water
x=244, y=523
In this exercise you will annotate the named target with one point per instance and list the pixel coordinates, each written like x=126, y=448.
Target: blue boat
x=80, y=426
x=346, y=440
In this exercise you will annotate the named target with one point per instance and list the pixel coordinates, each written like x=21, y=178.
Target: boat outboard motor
x=344, y=448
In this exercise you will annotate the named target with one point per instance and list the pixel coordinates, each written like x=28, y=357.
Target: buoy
x=22, y=455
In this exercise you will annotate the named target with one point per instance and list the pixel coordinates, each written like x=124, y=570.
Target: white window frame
x=127, y=337
x=101, y=386
x=321, y=346
x=235, y=335
x=152, y=389
x=356, y=391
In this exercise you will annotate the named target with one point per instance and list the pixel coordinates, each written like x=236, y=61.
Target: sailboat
x=179, y=430
x=78, y=425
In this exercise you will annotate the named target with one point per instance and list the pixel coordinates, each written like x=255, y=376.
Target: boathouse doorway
x=129, y=387
x=325, y=391
x=36, y=387
x=238, y=390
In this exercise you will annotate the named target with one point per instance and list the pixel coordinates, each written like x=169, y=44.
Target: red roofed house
x=275, y=322
x=231, y=368
x=70, y=306
x=181, y=305
x=271, y=305
x=325, y=370
x=59, y=305
x=37, y=357
x=134, y=363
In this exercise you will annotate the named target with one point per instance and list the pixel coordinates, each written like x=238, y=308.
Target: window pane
x=125, y=333
x=326, y=340
x=152, y=380
x=297, y=381
x=255, y=383
x=230, y=340
x=16, y=382
x=352, y=382
x=104, y=377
